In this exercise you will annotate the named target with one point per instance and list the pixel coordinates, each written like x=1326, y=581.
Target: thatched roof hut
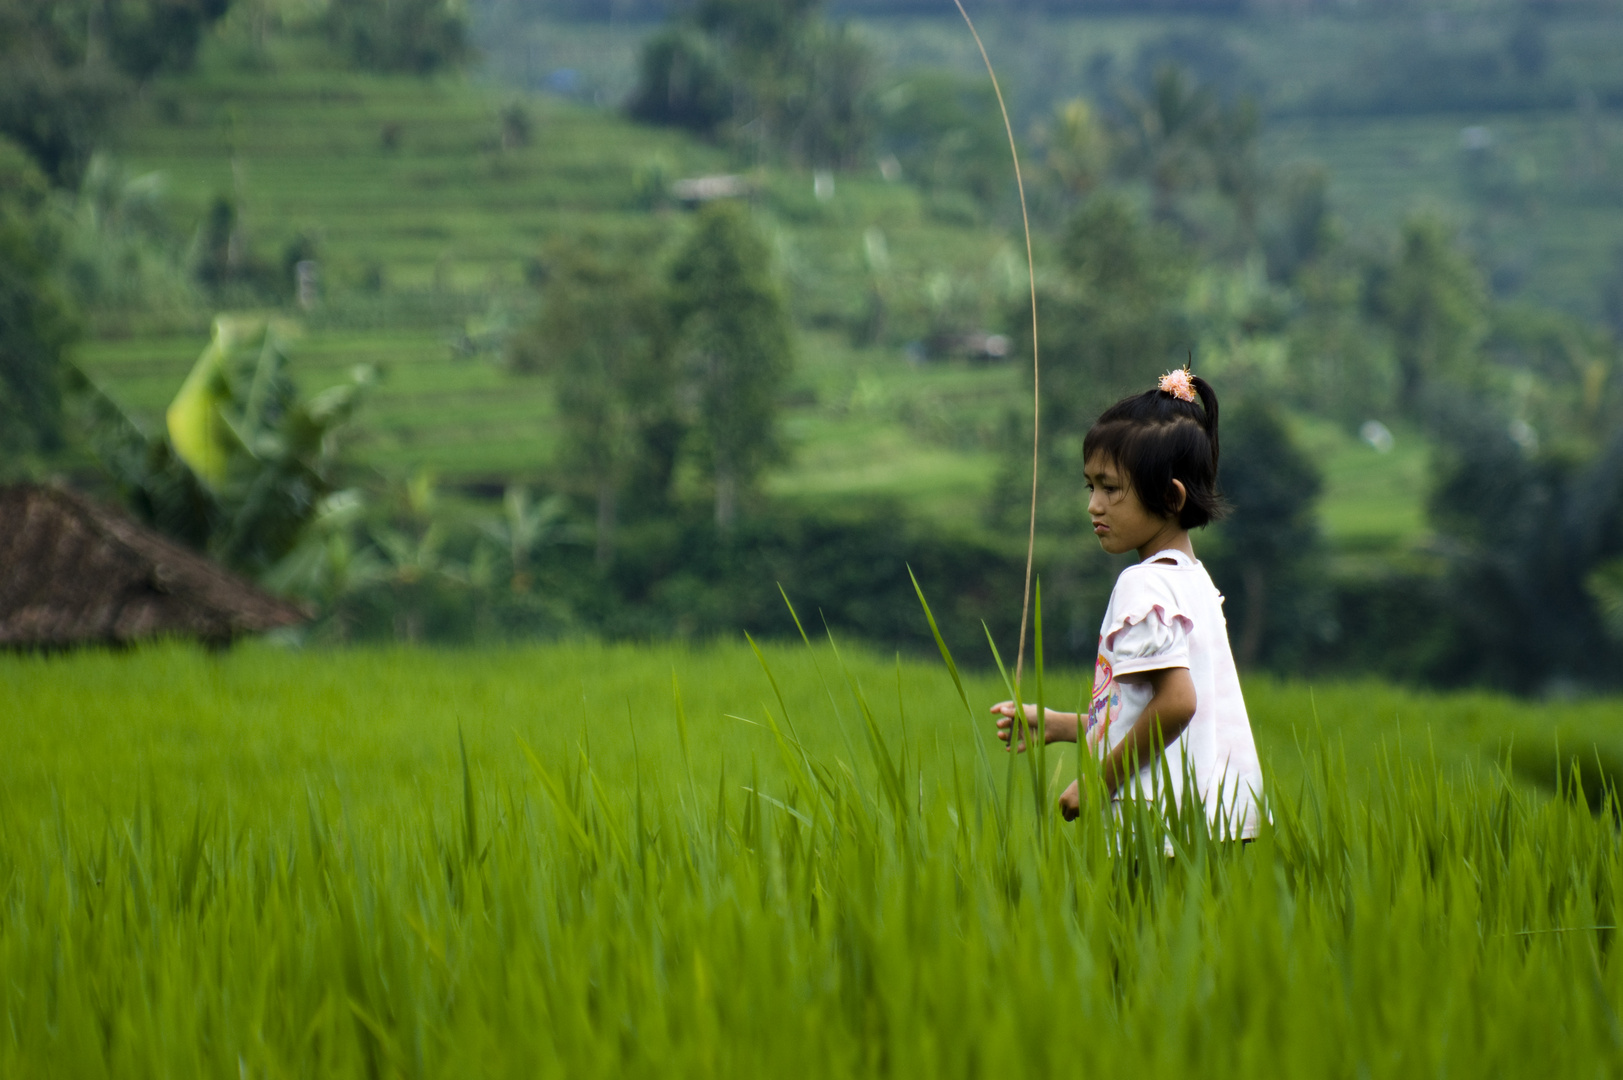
x=74, y=573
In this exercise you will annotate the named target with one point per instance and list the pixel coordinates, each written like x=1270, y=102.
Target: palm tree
x=524, y=527
x=1168, y=137
x=1231, y=136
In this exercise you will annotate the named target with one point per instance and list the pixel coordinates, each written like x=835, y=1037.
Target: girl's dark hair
x=1156, y=438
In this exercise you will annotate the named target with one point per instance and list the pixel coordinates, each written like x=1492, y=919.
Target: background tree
x=121, y=251
x=244, y=464
x=1525, y=534
x=226, y=264
x=765, y=42
x=1435, y=304
x=1303, y=227
x=145, y=37
x=1556, y=374
x=602, y=335
x=416, y=36
x=946, y=133
x=1184, y=129
x=35, y=324
x=1112, y=321
x=833, y=122
x=770, y=73
x=735, y=346
x=1167, y=137
x=65, y=66
x=1267, y=553
x=1208, y=58
x=1231, y=140
x=53, y=103
x=522, y=529
x=1611, y=294
x=681, y=82
x=1076, y=150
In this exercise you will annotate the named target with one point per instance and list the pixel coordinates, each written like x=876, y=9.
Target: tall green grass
x=579, y=860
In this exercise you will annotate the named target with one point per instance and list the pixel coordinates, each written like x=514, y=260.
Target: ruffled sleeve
x=1148, y=629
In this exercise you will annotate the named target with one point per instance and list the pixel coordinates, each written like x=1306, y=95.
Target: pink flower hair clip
x=1177, y=383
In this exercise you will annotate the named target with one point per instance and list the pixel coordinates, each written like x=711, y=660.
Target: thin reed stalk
x=1036, y=367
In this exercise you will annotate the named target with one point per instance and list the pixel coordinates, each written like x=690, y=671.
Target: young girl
x=1165, y=677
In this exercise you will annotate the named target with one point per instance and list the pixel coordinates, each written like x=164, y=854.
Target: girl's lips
x=1100, y=528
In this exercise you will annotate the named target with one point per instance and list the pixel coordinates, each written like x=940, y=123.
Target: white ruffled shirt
x=1168, y=614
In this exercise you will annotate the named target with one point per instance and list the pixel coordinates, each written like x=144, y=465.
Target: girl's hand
x=1070, y=801
x=1057, y=726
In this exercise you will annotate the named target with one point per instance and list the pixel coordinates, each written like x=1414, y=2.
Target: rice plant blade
x=560, y=800
x=787, y=809
x=682, y=733
x=1039, y=755
x=958, y=682
x=1019, y=730
x=839, y=714
x=470, y=823
x=810, y=770
x=889, y=776
x=946, y=654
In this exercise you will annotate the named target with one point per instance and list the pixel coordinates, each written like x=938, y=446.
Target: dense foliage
x=63, y=67
x=774, y=76
x=414, y=36
x=1252, y=276
x=604, y=338
x=35, y=326
x=737, y=346
x=1270, y=556
x=577, y=500
x=244, y=466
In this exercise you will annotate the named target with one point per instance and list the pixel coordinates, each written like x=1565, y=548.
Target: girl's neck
x=1171, y=536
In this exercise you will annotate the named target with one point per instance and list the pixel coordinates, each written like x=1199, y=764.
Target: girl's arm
x=1165, y=716
x=1057, y=726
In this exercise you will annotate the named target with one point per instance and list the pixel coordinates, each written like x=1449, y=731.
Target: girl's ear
x=1180, y=495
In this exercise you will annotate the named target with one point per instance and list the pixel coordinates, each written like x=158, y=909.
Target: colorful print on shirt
x=1106, y=698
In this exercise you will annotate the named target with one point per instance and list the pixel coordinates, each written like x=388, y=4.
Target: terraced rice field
x=427, y=227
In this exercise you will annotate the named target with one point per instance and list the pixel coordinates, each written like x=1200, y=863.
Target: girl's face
x=1119, y=519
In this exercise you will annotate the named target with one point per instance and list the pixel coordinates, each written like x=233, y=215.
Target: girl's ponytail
x=1162, y=435
x=1208, y=403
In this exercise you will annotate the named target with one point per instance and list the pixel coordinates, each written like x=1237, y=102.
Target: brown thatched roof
x=74, y=573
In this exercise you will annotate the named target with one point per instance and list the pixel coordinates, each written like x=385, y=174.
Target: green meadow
x=580, y=859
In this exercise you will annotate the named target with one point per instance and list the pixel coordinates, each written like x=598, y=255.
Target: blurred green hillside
x=1385, y=237
x=1421, y=106
x=427, y=226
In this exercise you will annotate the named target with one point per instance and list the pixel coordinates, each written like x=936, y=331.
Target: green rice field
x=580, y=859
